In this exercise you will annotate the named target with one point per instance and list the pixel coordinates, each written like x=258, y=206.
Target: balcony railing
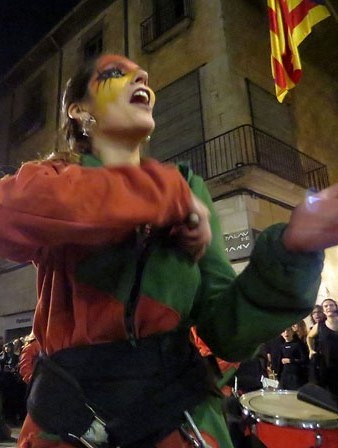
x=247, y=145
x=164, y=19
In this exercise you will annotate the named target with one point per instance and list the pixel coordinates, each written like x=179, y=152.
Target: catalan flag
x=290, y=22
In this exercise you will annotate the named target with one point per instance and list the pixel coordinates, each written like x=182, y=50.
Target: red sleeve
x=48, y=204
x=205, y=351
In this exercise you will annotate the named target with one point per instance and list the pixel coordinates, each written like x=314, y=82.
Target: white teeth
x=142, y=93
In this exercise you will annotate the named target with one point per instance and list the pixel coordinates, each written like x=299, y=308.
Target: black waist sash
x=141, y=392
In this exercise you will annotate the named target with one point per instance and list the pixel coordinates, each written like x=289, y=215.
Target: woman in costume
x=327, y=345
x=123, y=275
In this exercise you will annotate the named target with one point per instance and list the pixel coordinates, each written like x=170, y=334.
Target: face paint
x=111, y=76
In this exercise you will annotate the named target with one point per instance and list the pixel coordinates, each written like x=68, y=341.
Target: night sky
x=23, y=23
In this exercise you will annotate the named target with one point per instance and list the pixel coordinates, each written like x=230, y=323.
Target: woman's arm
x=310, y=339
x=235, y=314
x=48, y=204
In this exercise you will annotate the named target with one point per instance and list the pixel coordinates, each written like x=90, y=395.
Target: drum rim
x=284, y=421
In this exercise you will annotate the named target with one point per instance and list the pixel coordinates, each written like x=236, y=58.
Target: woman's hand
x=194, y=235
x=286, y=361
x=314, y=224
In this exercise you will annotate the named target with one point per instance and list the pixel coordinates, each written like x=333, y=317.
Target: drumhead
x=282, y=408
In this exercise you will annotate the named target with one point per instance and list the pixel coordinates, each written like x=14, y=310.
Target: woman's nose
x=141, y=76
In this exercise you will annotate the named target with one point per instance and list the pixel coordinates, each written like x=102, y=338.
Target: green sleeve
x=233, y=314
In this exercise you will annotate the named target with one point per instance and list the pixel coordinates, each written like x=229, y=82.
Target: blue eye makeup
x=113, y=72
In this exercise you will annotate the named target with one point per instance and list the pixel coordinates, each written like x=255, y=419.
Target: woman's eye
x=110, y=73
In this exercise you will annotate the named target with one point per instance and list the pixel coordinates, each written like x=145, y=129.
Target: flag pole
x=331, y=9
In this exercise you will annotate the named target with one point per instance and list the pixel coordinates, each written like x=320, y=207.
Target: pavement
x=15, y=435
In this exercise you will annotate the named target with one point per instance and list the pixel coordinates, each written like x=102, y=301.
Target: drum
x=280, y=420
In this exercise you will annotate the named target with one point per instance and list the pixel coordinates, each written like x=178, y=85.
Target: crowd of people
x=302, y=353
x=17, y=360
x=12, y=388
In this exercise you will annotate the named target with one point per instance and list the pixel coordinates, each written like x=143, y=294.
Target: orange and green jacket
x=76, y=224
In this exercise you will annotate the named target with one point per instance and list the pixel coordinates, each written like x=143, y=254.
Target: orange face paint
x=112, y=74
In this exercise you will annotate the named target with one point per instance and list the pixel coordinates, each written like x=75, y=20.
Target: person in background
x=129, y=256
x=272, y=349
x=2, y=354
x=317, y=315
x=5, y=430
x=300, y=334
x=300, y=330
x=323, y=340
x=17, y=346
x=11, y=393
x=293, y=361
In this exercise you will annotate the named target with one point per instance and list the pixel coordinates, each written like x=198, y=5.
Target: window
x=168, y=13
x=93, y=46
x=179, y=124
x=270, y=116
x=275, y=119
x=169, y=18
x=34, y=111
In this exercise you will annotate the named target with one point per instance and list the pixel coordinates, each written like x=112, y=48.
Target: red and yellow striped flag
x=290, y=22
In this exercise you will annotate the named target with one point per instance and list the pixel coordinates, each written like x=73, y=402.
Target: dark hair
x=76, y=91
x=319, y=309
x=331, y=300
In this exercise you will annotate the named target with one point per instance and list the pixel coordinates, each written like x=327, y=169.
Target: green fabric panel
x=226, y=377
x=209, y=418
x=171, y=278
x=111, y=269
x=90, y=160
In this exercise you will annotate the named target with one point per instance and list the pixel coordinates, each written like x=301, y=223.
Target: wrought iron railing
x=247, y=145
x=165, y=18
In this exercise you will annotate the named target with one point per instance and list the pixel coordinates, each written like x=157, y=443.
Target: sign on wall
x=16, y=325
x=239, y=244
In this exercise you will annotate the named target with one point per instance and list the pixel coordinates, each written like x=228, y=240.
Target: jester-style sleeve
x=48, y=204
x=278, y=288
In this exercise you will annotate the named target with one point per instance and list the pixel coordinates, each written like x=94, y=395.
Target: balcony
x=167, y=21
x=248, y=146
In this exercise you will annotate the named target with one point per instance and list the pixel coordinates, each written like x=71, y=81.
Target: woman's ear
x=75, y=111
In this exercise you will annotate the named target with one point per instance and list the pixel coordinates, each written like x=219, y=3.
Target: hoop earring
x=88, y=122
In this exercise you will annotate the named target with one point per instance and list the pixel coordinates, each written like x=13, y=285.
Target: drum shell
x=273, y=436
x=307, y=426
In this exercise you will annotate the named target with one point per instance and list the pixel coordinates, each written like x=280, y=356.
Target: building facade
x=209, y=64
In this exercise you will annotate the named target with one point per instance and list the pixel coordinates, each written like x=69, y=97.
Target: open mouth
x=140, y=96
